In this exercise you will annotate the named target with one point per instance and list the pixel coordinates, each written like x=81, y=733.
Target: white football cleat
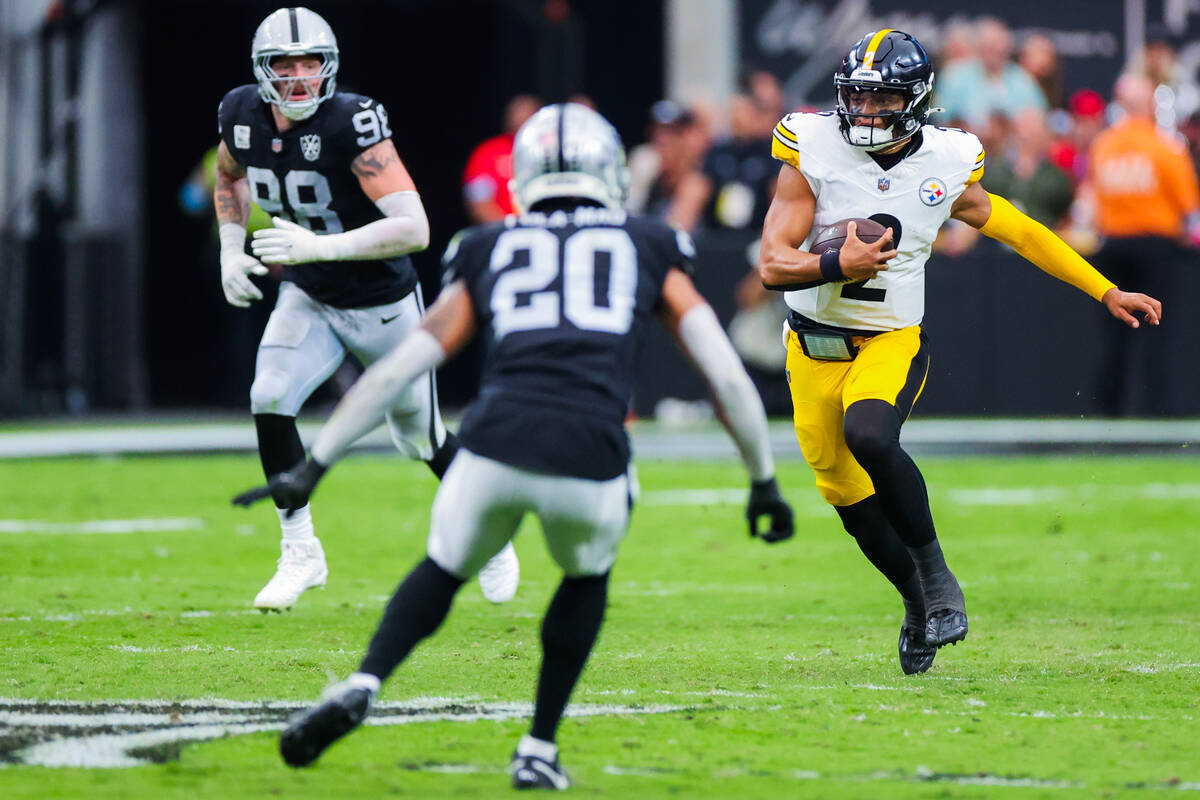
x=301, y=567
x=500, y=575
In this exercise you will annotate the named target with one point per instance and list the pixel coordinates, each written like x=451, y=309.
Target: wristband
x=831, y=266
x=766, y=484
x=232, y=236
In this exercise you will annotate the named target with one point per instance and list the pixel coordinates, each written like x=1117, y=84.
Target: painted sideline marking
x=129, y=733
x=102, y=525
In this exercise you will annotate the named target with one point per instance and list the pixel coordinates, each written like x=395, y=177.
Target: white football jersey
x=914, y=198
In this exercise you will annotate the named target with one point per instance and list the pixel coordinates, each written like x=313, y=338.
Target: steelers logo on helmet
x=884, y=88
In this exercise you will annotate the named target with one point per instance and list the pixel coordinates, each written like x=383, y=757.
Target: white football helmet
x=290, y=32
x=568, y=150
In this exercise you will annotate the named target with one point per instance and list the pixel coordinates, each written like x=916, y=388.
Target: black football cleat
x=531, y=772
x=945, y=626
x=915, y=655
x=308, y=735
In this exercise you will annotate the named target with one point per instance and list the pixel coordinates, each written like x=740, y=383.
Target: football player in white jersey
x=857, y=356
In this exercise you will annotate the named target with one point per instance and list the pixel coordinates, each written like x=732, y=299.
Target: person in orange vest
x=1147, y=207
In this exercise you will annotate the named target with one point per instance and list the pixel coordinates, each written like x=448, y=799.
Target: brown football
x=831, y=236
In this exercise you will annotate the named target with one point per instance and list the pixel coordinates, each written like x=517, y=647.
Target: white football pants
x=480, y=503
x=305, y=341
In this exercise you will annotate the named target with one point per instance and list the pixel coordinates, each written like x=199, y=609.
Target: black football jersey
x=562, y=302
x=304, y=175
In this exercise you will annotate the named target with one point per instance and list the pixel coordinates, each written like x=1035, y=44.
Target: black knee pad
x=863, y=519
x=872, y=430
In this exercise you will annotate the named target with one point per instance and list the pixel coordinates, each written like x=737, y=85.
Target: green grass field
x=771, y=670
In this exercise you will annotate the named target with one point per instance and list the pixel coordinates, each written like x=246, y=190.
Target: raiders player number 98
x=346, y=215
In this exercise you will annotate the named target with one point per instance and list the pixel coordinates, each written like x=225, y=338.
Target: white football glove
x=289, y=243
x=236, y=266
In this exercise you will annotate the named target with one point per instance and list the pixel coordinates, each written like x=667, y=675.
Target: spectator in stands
x=741, y=179
x=1069, y=152
x=665, y=180
x=1147, y=202
x=988, y=84
x=740, y=174
x=489, y=169
x=1177, y=96
x=959, y=45
x=1039, y=58
x=754, y=332
x=1191, y=133
x=237, y=331
x=1023, y=173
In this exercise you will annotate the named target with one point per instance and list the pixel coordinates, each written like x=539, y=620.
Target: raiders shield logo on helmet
x=310, y=146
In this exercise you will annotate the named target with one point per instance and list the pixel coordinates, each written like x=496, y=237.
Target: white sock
x=364, y=680
x=297, y=527
x=529, y=746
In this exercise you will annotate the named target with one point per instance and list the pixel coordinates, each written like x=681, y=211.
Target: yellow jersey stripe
x=869, y=57
x=785, y=133
x=790, y=145
x=785, y=152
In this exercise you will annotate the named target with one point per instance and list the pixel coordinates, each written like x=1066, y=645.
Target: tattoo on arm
x=373, y=161
x=231, y=194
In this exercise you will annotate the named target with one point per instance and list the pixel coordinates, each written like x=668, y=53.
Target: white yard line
x=809, y=504
x=148, y=525
x=1075, y=493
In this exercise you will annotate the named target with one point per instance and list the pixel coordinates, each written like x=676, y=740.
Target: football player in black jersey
x=562, y=295
x=346, y=216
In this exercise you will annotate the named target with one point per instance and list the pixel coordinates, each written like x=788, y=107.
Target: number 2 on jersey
x=859, y=291
x=528, y=260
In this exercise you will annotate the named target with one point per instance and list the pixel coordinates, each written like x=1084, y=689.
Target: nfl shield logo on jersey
x=310, y=146
x=277, y=145
x=932, y=191
x=885, y=184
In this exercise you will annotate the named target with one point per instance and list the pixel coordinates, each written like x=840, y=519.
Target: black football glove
x=291, y=489
x=765, y=500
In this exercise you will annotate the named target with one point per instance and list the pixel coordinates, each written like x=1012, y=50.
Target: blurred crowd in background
x=706, y=171
x=706, y=167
